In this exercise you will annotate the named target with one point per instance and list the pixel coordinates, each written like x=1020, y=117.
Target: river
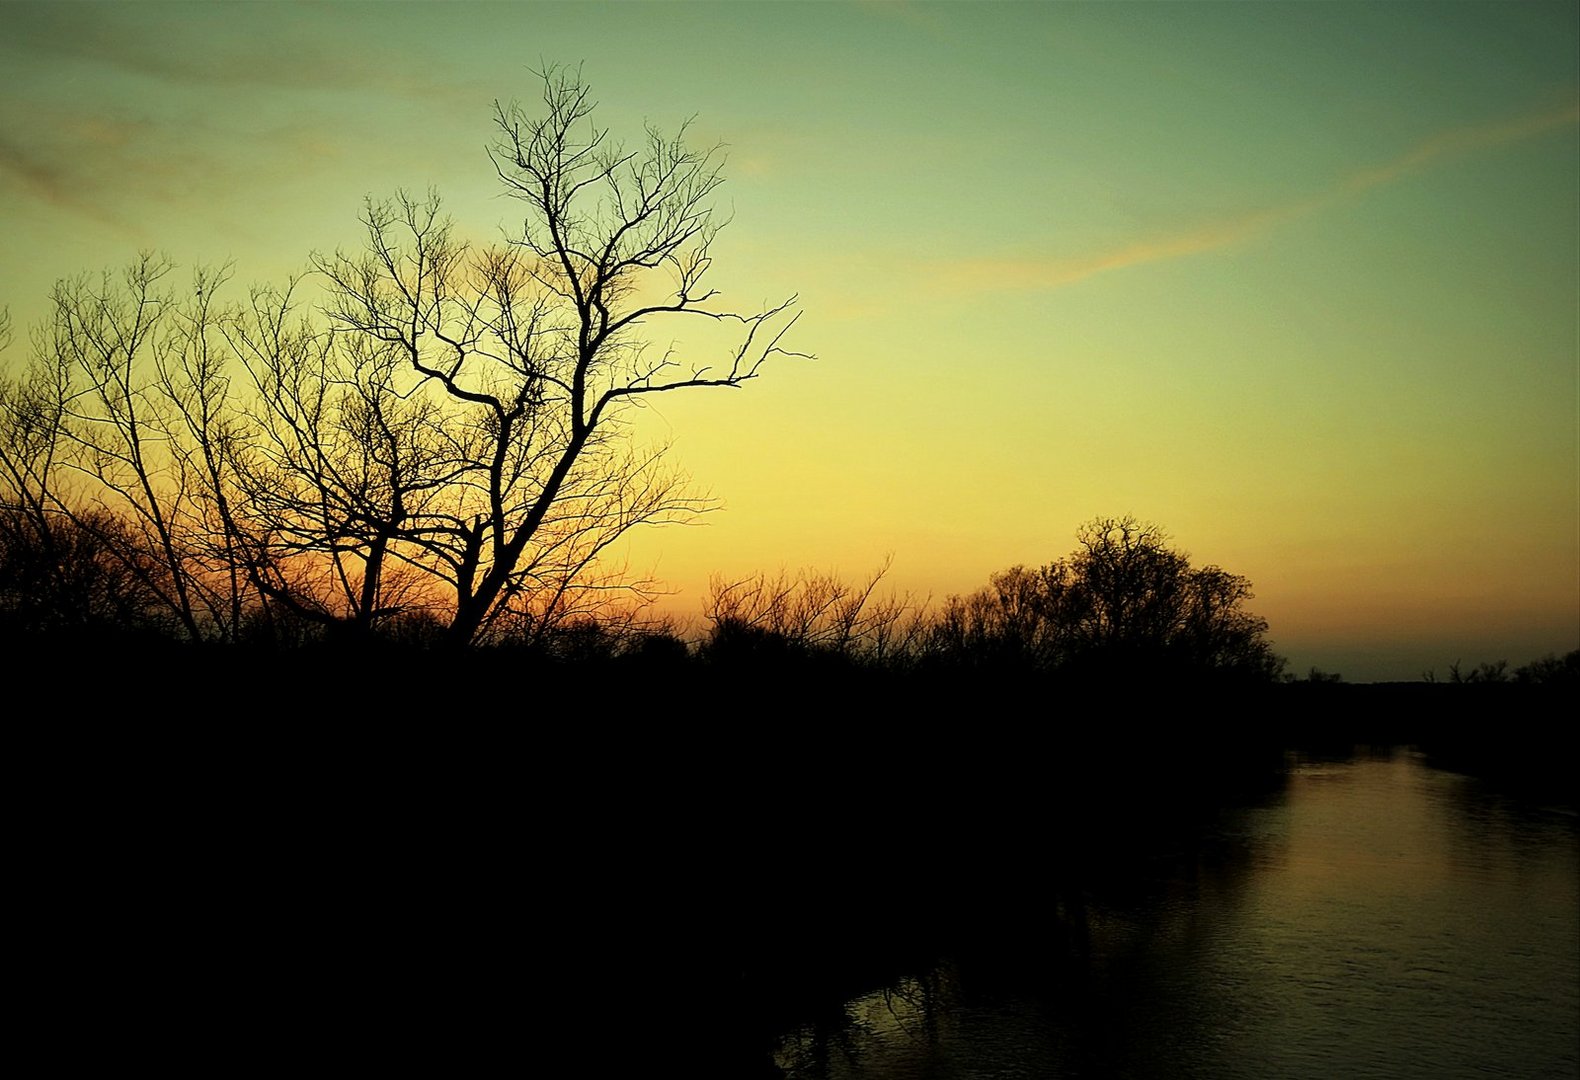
x=1374, y=916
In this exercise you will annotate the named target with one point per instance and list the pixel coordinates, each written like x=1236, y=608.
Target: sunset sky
x=1298, y=282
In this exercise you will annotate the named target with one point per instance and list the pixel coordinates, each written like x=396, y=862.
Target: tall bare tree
x=95, y=436
x=538, y=347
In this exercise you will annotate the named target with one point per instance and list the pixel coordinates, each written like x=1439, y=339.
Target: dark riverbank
x=423, y=856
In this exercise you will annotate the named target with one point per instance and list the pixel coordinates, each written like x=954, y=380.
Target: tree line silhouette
x=422, y=437
x=1124, y=602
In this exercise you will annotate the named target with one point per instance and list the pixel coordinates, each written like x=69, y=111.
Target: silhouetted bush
x=1551, y=670
x=738, y=643
x=1124, y=604
x=656, y=649
x=813, y=614
x=1317, y=677
x=62, y=575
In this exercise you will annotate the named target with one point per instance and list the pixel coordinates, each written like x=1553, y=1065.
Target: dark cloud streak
x=44, y=177
x=107, y=105
x=103, y=162
x=215, y=45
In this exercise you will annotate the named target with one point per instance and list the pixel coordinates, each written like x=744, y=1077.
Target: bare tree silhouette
x=1125, y=602
x=811, y=613
x=534, y=350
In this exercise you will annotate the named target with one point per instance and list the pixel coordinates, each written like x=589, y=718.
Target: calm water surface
x=1377, y=918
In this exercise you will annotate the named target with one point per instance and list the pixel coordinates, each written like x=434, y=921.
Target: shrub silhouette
x=1124, y=603
x=82, y=575
x=1551, y=670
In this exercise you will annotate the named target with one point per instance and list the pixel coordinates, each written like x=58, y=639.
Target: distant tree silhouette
x=100, y=431
x=1551, y=670
x=442, y=433
x=65, y=576
x=1497, y=672
x=1124, y=603
x=770, y=618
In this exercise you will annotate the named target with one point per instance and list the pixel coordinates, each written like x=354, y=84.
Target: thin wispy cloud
x=1057, y=272
x=1461, y=142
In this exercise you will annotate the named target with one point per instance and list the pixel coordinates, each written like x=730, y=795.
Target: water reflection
x=1377, y=917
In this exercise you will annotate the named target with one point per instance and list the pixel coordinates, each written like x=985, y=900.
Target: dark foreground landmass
x=407, y=857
